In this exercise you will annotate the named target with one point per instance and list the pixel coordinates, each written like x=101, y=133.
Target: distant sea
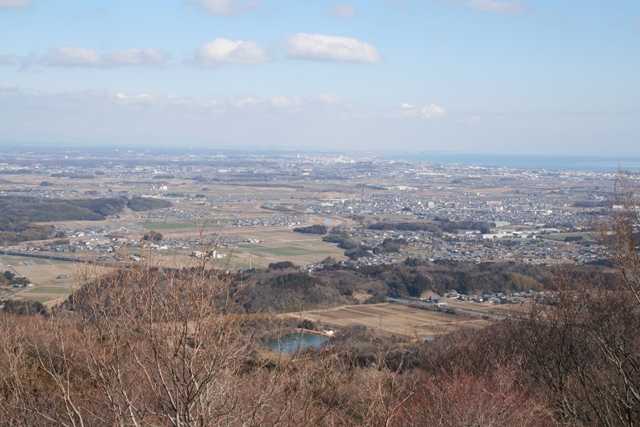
x=595, y=164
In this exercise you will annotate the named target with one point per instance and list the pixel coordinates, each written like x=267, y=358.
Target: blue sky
x=467, y=76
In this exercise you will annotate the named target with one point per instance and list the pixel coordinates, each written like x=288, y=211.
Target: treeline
x=9, y=279
x=455, y=226
x=312, y=229
x=414, y=276
x=18, y=214
x=355, y=250
x=277, y=208
x=104, y=207
x=342, y=240
x=294, y=281
x=139, y=204
x=284, y=290
x=72, y=175
x=405, y=226
x=23, y=308
x=282, y=265
x=412, y=280
x=18, y=210
x=281, y=289
x=437, y=226
x=22, y=209
x=12, y=232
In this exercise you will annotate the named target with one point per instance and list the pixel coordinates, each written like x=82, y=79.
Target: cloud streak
x=8, y=59
x=343, y=11
x=432, y=111
x=499, y=6
x=226, y=7
x=168, y=106
x=14, y=4
x=319, y=47
x=71, y=56
x=408, y=110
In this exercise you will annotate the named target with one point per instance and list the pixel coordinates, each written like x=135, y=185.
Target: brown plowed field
x=393, y=319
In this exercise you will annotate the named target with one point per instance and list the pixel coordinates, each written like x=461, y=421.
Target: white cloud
x=70, y=56
x=410, y=111
x=226, y=7
x=244, y=102
x=136, y=57
x=8, y=59
x=343, y=11
x=406, y=110
x=155, y=101
x=329, y=99
x=105, y=117
x=286, y=102
x=431, y=111
x=222, y=51
x=14, y=4
x=499, y=6
x=323, y=103
x=320, y=47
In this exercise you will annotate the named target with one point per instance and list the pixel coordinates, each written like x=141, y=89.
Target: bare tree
x=582, y=344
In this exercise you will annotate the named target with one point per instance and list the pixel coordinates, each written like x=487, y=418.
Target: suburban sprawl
x=475, y=213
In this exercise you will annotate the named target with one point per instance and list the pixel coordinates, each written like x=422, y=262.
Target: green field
x=45, y=293
x=243, y=246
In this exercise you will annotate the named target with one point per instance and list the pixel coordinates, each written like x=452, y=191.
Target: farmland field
x=163, y=225
x=44, y=275
x=393, y=319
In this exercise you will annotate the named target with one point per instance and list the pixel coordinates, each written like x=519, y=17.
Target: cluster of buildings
x=528, y=213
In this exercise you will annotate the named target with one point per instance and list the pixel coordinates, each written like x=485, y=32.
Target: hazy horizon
x=459, y=76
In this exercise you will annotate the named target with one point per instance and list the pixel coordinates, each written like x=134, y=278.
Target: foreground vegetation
x=151, y=346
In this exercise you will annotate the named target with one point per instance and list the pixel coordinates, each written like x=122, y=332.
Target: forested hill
x=21, y=209
x=19, y=215
x=292, y=289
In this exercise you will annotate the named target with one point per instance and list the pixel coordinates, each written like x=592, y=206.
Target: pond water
x=291, y=343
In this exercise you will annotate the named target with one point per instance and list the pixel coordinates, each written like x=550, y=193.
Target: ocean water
x=595, y=164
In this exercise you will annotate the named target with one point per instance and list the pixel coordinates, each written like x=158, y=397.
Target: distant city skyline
x=466, y=76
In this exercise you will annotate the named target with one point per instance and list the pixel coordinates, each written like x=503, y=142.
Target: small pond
x=291, y=343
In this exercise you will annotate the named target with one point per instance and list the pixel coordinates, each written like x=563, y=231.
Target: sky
x=552, y=77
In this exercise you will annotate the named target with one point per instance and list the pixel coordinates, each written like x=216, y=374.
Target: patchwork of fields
x=393, y=319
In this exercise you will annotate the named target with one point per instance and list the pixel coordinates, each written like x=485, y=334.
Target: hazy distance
x=461, y=76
